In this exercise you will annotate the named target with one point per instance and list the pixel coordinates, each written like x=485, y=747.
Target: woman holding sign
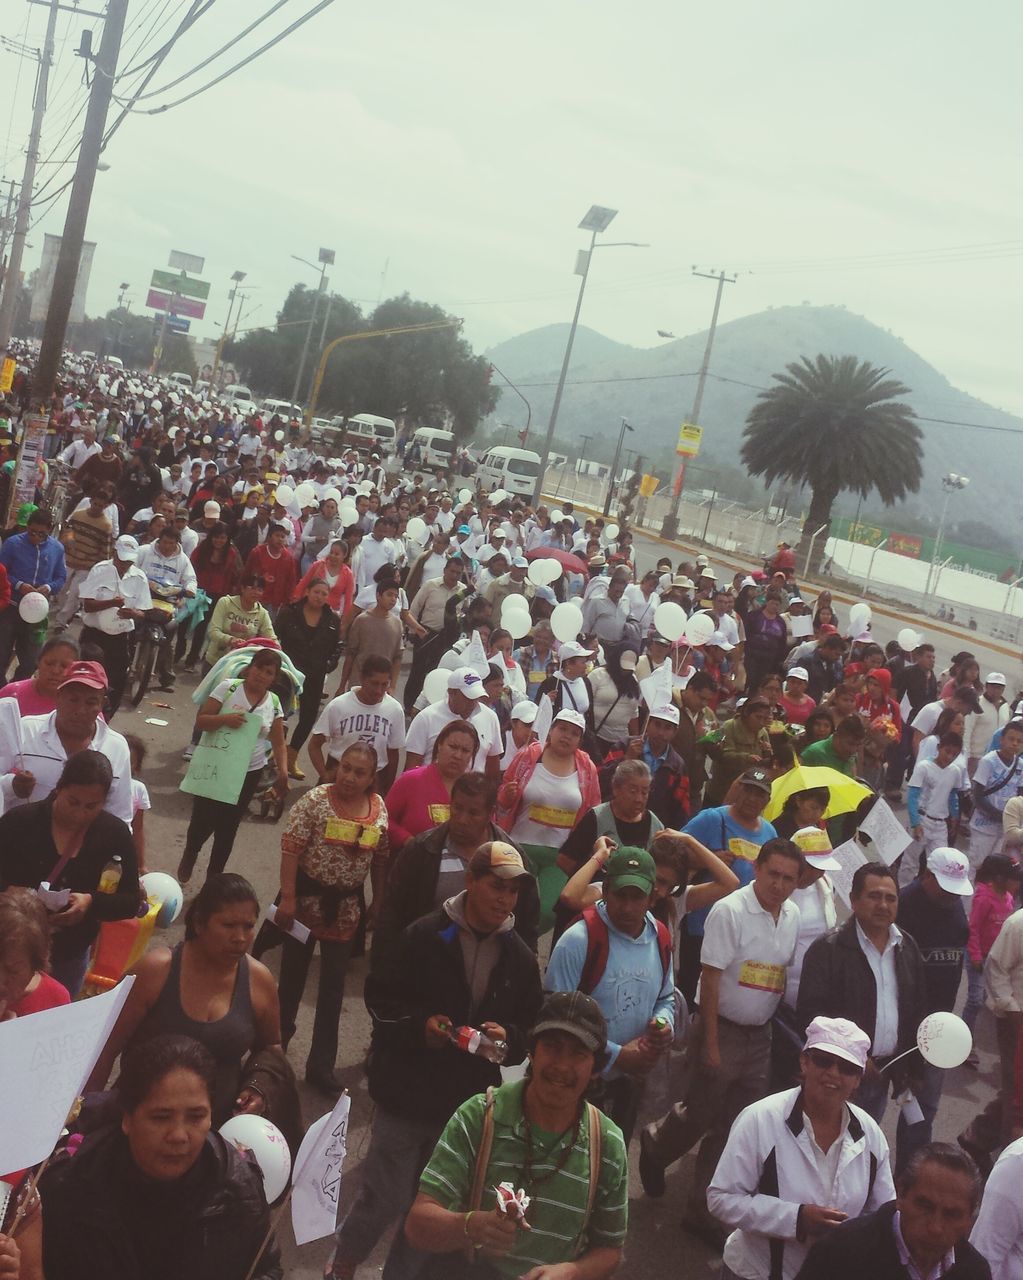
x=240, y=719
x=336, y=834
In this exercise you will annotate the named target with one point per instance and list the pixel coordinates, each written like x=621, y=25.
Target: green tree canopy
x=834, y=423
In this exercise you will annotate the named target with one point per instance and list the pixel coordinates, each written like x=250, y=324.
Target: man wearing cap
x=634, y=988
x=464, y=694
x=115, y=598
x=514, y=582
x=932, y=911
x=679, y=591
x=570, y=685
x=669, y=788
x=35, y=563
x=872, y=973
x=991, y=715
x=749, y=942
x=88, y=537
x=800, y=1162
x=554, y=1147
x=997, y=778
x=462, y=965
x=428, y=607
x=605, y=616
x=49, y=741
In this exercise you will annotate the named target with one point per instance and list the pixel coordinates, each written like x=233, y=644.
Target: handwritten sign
x=851, y=856
x=886, y=832
x=316, y=1185
x=221, y=761
x=801, y=625
x=47, y=1059
x=656, y=687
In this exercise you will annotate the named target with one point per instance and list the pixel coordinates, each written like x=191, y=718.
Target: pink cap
x=841, y=1037
x=951, y=870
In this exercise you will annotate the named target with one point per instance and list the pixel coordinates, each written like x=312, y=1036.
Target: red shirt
x=279, y=573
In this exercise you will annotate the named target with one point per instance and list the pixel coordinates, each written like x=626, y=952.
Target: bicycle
x=153, y=634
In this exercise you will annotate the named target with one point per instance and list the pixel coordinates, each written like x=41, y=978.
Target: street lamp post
x=614, y=466
x=236, y=278
x=951, y=483
x=326, y=259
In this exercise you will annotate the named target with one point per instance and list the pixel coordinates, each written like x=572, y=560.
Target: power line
x=196, y=10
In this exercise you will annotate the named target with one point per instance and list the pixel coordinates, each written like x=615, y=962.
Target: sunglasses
x=823, y=1061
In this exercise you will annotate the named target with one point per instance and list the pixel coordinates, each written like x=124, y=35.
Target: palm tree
x=833, y=423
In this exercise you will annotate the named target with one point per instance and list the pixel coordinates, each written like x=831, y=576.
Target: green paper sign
x=221, y=761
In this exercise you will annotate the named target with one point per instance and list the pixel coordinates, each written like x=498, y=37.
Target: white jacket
x=760, y=1196
x=1003, y=968
x=983, y=725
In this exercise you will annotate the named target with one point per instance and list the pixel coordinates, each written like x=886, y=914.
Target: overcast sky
x=451, y=151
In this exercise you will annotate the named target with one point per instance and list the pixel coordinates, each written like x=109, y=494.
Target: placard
x=316, y=1184
x=221, y=761
x=887, y=833
x=851, y=856
x=801, y=626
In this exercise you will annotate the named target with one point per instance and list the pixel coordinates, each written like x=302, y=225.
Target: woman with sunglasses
x=800, y=1162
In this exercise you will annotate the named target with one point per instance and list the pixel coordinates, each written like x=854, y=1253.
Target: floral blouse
x=334, y=857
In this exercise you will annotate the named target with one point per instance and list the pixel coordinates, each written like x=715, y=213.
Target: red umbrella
x=567, y=559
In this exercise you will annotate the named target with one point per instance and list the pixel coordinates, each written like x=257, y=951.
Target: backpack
x=598, y=947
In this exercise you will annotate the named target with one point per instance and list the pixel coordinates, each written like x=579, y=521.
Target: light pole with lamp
x=951, y=483
x=597, y=220
x=236, y=278
x=326, y=259
x=613, y=475
x=524, y=433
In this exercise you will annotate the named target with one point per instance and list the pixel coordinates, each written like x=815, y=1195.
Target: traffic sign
x=689, y=437
x=175, y=324
x=180, y=306
x=179, y=283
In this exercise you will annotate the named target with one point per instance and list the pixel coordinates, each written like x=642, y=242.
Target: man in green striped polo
x=544, y=1143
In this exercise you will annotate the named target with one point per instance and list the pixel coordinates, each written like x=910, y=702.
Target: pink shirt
x=988, y=913
x=417, y=801
x=30, y=703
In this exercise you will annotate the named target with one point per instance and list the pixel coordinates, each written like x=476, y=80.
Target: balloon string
x=275, y=1219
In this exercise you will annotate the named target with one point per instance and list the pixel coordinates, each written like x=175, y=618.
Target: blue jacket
x=39, y=566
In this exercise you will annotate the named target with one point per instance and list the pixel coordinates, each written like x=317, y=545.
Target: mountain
x=653, y=389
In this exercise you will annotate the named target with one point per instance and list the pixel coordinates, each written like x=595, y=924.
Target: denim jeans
x=974, y=993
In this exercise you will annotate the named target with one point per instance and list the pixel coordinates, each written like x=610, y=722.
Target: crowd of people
x=568, y=842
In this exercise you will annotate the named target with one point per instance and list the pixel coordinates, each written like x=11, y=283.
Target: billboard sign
x=175, y=324
x=905, y=544
x=178, y=306
x=689, y=437
x=46, y=272
x=179, y=261
x=179, y=283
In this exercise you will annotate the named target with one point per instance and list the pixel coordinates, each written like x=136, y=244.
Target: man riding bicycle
x=170, y=576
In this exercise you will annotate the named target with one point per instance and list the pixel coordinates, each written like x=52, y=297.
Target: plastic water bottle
x=469, y=1040
x=110, y=877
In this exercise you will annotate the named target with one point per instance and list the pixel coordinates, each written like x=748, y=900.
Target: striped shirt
x=558, y=1209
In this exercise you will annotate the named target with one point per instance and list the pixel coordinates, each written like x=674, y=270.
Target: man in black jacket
x=462, y=965
x=669, y=790
x=872, y=973
x=921, y=1233
x=432, y=866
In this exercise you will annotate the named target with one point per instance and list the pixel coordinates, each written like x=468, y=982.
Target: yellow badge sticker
x=537, y=677
x=345, y=831
x=547, y=816
x=743, y=848
x=759, y=976
x=438, y=813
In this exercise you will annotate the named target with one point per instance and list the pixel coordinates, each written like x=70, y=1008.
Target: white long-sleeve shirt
x=1003, y=968
x=998, y=1231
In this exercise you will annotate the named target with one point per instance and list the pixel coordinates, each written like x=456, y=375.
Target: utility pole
x=6, y=227
x=12, y=276
x=66, y=273
x=613, y=476
x=669, y=529
x=225, y=336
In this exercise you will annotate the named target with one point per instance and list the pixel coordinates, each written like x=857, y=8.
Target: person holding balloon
x=34, y=565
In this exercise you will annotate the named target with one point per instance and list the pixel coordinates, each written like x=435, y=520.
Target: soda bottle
x=110, y=877
x=655, y=1024
x=469, y=1040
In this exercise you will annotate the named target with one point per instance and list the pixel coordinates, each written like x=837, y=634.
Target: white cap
x=467, y=681
x=702, y=560
x=667, y=711
x=525, y=711
x=126, y=548
x=815, y=846
x=798, y=673
x=995, y=677
x=951, y=870
x=748, y=582
x=520, y=562
x=721, y=640
x=211, y=509
x=840, y=1037
x=628, y=661
x=572, y=649
x=571, y=717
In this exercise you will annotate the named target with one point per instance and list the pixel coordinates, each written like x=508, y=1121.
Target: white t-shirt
x=753, y=951
x=813, y=922
x=139, y=798
x=549, y=808
x=232, y=697
x=927, y=717
x=576, y=697
x=936, y=786
x=641, y=608
x=381, y=724
x=992, y=769
x=374, y=556
x=427, y=725
x=103, y=582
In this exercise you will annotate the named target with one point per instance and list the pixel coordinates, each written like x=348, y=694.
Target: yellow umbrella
x=844, y=793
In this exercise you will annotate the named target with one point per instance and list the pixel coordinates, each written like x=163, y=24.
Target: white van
x=180, y=380
x=432, y=448
x=372, y=434
x=235, y=391
x=283, y=408
x=514, y=470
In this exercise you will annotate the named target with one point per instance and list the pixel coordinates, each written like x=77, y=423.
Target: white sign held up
x=316, y=1184
x=888, y=835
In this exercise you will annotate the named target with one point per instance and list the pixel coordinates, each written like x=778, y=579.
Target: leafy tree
x=833, y=423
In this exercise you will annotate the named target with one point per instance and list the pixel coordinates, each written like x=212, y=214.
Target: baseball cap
x=545, y=593
x=24, y=511
x=629, y=867
x=500, y=859
x=524, y=711
x=575, y=1013
x=702, y=560
x=951, y=870
x=721, y=640
x=464, y=528
x=467, y=681
x=748, y=582
x=569, y=716
x=759, y=778
x=840, y=1037
x=667, y=711
x=87, y=673
x=995, y=677
x=572, y=649
x=815, y=846
x=520, y=562
x=658, y=639
x=211, y=509
x=798, y=673
x=628, y=661
x=126, y=548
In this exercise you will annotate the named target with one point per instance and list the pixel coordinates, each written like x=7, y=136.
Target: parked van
x=234, y=391
x=514, y=470
x=178, y=379
x=283, y=408
x=431, y=448
x=368, y=432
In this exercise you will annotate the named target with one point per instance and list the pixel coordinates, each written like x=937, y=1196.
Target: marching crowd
x=605, y=822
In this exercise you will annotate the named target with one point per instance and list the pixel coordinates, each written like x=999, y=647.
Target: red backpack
x=598, y=946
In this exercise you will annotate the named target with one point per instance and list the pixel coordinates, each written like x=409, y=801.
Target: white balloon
x=278, y=435
x=416, y=529
x=554, y=570
x=267, y=1144
x=285, y=495
x=34, y=607
x=516, y=602
x=566, y=621
x=944, y=1039
x=698, y=629
x=435, y=686
x=611, y=532
x=159, y=887
x=537, y=573
x=335, y=494
x=497, y=497
x=305, y=495
x=859, y=618
x=464, y=496
x=518, y=622
x=670, y=620
x=348, y=512
x=908, y=639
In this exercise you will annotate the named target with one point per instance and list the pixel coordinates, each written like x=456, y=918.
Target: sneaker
x=651, y=1172
x=189, y=668
x=166, y=686
x=188, y=752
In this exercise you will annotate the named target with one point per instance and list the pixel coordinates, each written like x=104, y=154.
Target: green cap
x=630, y=868
x=24, y=511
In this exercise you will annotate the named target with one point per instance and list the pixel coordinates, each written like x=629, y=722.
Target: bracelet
x=465, y=1223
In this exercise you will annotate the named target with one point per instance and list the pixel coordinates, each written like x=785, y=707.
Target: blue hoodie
x=39, y=566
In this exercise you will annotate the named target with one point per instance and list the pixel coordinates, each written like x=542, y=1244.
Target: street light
x=597, y=220
x=614, y=465
x=236, y=278
x=951, y=483
x=325, y=259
